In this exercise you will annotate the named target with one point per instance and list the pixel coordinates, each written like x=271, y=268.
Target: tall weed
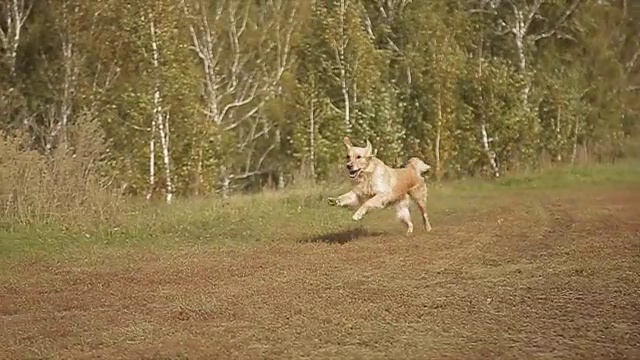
x=65, y=187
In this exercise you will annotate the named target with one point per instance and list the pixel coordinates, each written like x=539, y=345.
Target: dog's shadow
x=342, y=237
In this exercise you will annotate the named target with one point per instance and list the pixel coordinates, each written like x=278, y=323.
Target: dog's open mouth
x=354, y=173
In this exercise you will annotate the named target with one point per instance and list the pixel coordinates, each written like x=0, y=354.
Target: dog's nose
x=349, y=166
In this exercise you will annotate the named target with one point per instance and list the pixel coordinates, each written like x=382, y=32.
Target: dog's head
x=358, y=158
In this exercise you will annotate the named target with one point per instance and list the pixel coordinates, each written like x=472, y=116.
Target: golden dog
x=377, y=185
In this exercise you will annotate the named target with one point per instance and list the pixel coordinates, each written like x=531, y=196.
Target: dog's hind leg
x=404, y=214
x=419, y=195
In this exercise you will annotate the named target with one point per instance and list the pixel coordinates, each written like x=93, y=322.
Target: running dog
x=378, y=186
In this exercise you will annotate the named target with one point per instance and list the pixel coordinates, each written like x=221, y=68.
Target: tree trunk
x=343, y=71
x=558, y=157
x=15, y=15
x=226, y=183
x=163, y=127
x=312, y=139
x=199, y=175
x=438, y=137
x=491, y=156
x=160, y=119
x=345, y=97
x=65, y=106
x=152, y=159
x=574, y=152
x=68, y=87
x=522, y=67
x=280, y=184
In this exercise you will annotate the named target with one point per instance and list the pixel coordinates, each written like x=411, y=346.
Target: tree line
x=202, y=96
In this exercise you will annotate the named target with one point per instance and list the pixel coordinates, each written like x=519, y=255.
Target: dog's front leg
x=348, y=199
x=377, y=202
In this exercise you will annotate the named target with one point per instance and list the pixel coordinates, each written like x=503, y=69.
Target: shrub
x=65, y=187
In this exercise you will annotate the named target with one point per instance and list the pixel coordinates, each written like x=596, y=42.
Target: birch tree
x=260, y=137
x=315, y=124
x=527, y=24
x=244, y=53
x=14, y=14
x=386, y=22
x=152, y=124
x=160, y=119
x=604, y=49
x=437, y=61
x=482, y=116
x=197, y=96
x=64, y=79
x=217, y=33
x=349, y=56
x=562, y=112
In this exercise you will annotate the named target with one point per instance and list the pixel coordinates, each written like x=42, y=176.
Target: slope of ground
x=537, y=274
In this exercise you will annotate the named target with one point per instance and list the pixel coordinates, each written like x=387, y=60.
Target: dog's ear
x=347, y=142
x=368, y=149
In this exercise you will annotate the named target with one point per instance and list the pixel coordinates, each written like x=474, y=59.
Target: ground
x=522, y=273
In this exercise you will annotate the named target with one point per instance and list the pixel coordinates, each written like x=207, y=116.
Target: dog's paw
x=357, y=216
x=332, y=201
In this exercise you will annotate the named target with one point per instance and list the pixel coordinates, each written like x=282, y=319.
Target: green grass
x=293, y=215
x=599, y=174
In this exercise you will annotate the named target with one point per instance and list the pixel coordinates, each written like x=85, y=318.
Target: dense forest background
x=188, y=97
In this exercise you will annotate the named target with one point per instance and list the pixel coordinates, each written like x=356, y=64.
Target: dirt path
x=548, y=277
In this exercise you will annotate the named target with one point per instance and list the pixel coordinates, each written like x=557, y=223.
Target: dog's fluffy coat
x=377, y=185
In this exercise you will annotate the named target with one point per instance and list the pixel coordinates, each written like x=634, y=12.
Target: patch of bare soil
x=555, y=277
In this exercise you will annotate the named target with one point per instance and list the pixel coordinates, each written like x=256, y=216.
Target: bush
x=64, y=187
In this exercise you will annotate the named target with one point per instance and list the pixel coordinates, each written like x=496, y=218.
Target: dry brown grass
x=537, y=274
x=66, y=186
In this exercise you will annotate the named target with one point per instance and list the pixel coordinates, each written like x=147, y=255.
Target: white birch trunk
x=491, y=156
x=68, y=87
x=312, y=139
x=163, y=128
x=279, y=171
x=486, y=147
x=574, y=150
x=160, y=119
x=15, y=14
x=152, y=158
x=340, y=58
x=559, y=136
x=237, y=82
x=226, y=182
x=347, y=105
x=226, y=185
x=524, y=14
x=199, y=170
x=438, y=137
x=280, y=184
x=228, y=86
x=522, y=60
x=67, y=84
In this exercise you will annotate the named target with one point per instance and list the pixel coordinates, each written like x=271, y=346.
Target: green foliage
x=258, y=92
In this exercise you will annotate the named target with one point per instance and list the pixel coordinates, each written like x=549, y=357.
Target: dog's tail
x=419, y=165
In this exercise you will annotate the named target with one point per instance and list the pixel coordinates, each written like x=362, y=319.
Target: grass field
x=539, y=266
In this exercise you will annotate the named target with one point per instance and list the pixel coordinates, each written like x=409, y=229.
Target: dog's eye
x=358, y=157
